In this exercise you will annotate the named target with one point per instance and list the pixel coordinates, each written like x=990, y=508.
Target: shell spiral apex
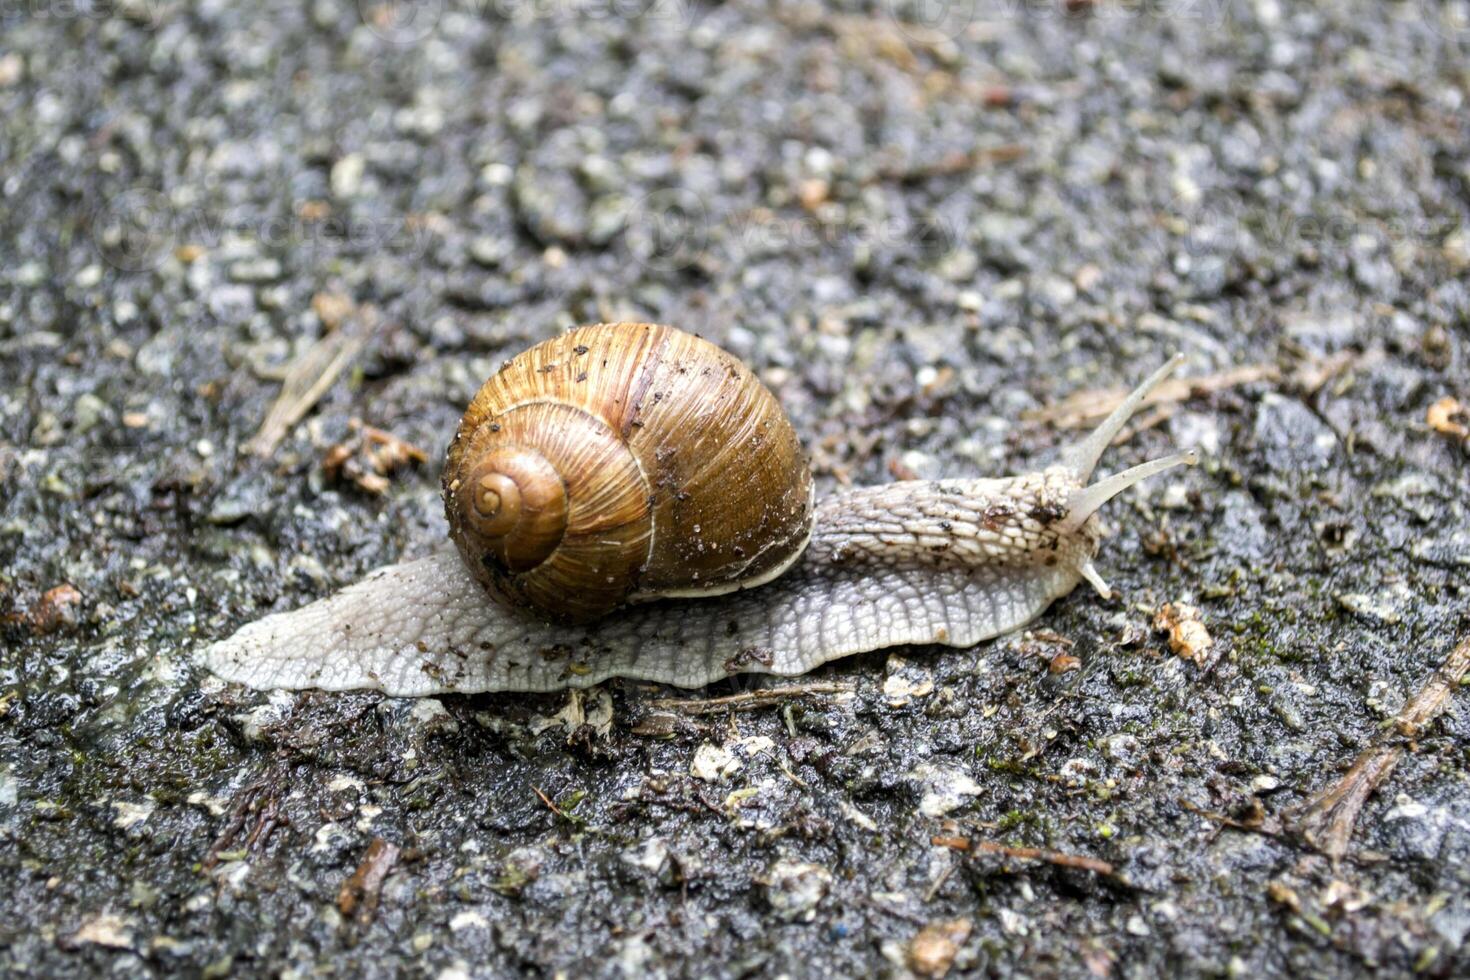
x=516, y=503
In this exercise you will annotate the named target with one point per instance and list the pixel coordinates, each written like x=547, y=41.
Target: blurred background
x=255, y=258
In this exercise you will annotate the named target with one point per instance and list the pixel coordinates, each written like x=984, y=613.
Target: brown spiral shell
x=620, y=463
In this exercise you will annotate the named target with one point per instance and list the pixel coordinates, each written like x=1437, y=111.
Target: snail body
x=949, y=562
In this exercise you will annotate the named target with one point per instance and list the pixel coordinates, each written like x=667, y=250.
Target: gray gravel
x=918, y=224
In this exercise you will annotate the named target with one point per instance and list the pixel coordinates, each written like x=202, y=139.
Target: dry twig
x=1095, y=865
x=747, y=700
x=1311, y=375
x=244, y=801
x=550, y=805
x=359, y=893
x=1328, y=819
x=307, y=380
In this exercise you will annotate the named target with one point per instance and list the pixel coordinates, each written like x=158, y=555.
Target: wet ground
x=924, y=227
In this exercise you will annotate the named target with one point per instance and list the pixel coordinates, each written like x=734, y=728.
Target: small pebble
x=57, y=608
x=346, y=177
x=255, y=271
x=794, y=889
x=11, y=69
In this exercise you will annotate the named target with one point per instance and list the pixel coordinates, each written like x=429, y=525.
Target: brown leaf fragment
x=359, y=893
x=901, y=471
x=335, y=459
x=1187, y=634
x=386, y=452
x=932, y=950
x=1044, y=645
x=1256, y=820
x=1448, y=416
x=1064, y=663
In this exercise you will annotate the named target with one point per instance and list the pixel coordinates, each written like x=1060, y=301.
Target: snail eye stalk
x=1085, y=502
x=1082, y=457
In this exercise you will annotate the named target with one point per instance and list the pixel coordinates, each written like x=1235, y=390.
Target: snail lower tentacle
x=947, y=562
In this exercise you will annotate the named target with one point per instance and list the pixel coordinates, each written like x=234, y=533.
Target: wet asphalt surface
x=921, y=226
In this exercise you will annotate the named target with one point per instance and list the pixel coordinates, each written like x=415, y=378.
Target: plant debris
x=1085, y=409
x=914, y=226
x=1328, y=819
x=369, y=456
x=933, y=949
x=1083, y=862
x=1450, y=417
x=750, y=700
x=308, y=378
x=358, y=896
x=1188, y=636
x=105, y=929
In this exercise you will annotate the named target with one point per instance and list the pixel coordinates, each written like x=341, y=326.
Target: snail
x=573, y=464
